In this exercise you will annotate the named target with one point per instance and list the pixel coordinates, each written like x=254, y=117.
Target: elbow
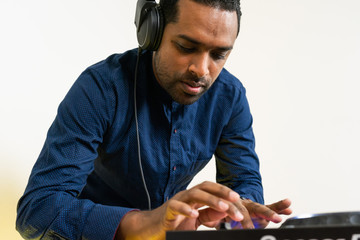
x=26, y=222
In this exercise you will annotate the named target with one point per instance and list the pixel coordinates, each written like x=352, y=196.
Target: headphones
x=149, y=22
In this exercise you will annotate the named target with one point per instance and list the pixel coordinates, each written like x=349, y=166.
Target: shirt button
x=175, y=130
x=174, y=168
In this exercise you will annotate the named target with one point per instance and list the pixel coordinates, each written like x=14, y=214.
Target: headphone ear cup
x=150, y=33
x=160, y=29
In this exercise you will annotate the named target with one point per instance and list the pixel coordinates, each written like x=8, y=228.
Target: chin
x=186, y=100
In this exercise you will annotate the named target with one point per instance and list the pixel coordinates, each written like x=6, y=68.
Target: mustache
x=191, y=78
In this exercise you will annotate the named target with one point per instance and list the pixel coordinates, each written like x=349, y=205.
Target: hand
x=259, y=216
x=182, y=213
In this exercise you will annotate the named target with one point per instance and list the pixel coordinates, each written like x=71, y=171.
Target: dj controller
x=326, y=226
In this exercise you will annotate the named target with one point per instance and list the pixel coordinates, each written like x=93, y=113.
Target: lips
x=192, y=88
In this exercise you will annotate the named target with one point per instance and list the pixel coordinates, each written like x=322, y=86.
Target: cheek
x=180, y=63
x=215, y=70
x=174, y=63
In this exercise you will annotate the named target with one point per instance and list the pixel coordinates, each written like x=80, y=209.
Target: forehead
x=202, y=21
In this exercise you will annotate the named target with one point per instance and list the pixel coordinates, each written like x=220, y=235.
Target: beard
x=177, y=84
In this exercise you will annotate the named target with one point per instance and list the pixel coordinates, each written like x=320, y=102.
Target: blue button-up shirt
x=87, y=176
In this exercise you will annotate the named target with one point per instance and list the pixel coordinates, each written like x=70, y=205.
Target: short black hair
x=170, y=8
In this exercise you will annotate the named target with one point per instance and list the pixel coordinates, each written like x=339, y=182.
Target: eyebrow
x=189, y=39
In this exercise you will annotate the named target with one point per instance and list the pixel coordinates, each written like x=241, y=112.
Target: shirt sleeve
x=50, y=207
x=237, y=163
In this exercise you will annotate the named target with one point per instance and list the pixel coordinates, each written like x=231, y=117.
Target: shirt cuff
x=103, y=222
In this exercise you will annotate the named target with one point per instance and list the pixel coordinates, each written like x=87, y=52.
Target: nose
x=199, y=66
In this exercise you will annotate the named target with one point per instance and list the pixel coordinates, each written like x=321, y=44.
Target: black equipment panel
x=309, y=233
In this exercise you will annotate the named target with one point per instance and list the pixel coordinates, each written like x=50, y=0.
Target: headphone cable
x=137, y=130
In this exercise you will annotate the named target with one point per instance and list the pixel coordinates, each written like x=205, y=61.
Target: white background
x=299, y=61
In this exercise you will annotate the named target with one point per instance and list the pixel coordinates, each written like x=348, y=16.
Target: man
x=87, y=182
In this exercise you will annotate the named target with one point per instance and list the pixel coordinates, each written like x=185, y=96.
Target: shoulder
x=107, y=81
x=225, y=97
x=228, y=86
x=120, y=64
x=112, y=76
x=227, y=80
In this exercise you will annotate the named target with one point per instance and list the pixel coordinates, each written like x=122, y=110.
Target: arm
x=237, y=163
x=49, y=207
x=238, y=168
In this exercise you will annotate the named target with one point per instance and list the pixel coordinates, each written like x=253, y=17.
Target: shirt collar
x=147, y=80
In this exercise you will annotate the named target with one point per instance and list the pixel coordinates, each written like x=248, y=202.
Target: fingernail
x=234, y=195
x=223, y=205
x=277, y=218
x=194, y=213
x=239, y=216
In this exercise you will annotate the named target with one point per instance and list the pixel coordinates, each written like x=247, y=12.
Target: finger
x=176, y=208
x=210, y=217
x=196, y=196
x=246, y=222
x=257, y=210
x=281, y=207
x=219, y=190
x=237, y=212
x=268, y=214
x=287, y=211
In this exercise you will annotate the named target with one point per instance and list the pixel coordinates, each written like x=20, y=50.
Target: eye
x=218, y=55
x=185, y=49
